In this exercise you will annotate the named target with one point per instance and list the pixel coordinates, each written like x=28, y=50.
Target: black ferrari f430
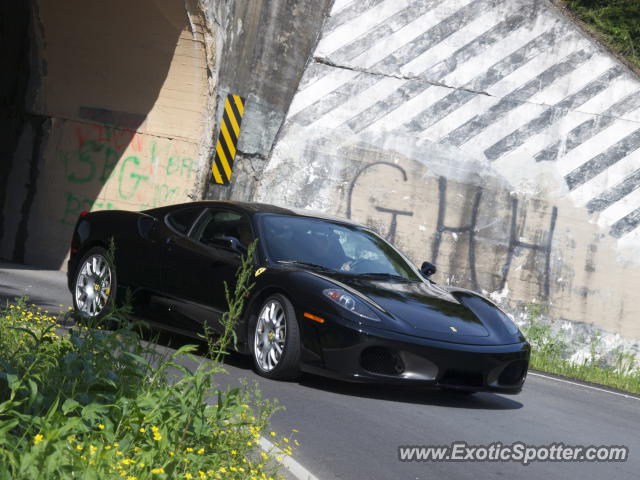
x=330, y=297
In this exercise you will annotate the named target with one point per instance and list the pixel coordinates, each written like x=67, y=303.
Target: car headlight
x=351, y=303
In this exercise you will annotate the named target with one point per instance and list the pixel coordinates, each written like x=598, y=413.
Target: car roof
x=258, y=208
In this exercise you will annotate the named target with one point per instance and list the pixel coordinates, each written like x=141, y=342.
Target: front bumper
x=374, y=355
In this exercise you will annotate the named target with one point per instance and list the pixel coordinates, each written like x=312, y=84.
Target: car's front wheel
x=94, y=284
x=275, y=339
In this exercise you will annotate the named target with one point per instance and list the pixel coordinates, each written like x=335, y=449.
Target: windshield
x=324, y=244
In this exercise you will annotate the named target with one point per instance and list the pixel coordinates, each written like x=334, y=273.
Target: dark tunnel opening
x=102, y=108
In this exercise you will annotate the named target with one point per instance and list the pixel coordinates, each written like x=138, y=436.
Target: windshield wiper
x=307, y=264
x=385, y=275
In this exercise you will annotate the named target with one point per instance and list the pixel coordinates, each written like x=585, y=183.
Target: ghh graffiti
x=514, y=244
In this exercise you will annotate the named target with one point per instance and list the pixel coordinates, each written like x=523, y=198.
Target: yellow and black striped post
x=227, y=139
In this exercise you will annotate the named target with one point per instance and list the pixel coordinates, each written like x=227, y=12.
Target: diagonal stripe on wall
x=508, y=81
x=227, y=143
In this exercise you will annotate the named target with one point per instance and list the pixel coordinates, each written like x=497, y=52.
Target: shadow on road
x=415, y=395
x=395, y=393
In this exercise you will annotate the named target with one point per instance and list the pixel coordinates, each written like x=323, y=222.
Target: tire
x=265, y=337
x=94, y=285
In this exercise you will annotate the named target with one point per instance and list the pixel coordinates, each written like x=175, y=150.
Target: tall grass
x=617, y=22
x=551, y=353
x=98, y=404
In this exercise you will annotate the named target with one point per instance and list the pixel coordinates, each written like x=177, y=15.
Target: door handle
x=170, y=241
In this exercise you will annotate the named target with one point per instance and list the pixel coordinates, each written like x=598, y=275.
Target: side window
x=223, y=224
x=181, y=220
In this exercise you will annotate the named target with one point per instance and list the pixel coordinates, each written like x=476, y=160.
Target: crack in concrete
x=329, y=63
x=248, y=159
x=326, y=61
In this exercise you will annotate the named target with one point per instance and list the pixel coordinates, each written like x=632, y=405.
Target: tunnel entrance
x=104, y=107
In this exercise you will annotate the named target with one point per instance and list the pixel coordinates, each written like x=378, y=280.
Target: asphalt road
x=353, y=431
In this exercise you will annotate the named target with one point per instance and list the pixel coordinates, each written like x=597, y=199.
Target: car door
x=172, y=227
x=200, y=264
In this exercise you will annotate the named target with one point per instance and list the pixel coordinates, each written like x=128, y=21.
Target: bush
x=551, y=353
x=101, y=404
x=616, y=21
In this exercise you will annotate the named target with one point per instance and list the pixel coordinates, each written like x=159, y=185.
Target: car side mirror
x=230, y=243
x=427, y=269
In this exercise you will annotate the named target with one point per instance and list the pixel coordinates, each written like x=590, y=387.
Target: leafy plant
x=218, y=345
x=617, y=22
x=98, y=404
x=550, y=353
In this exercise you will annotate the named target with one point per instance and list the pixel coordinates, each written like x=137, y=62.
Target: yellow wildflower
x=38, y=438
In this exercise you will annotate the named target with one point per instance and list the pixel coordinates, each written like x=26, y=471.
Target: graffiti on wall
x=469, y=226
x=109, y=168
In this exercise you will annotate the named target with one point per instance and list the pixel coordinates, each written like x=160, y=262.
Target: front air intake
x=513, y=373
x=382, y=361
x=460, y=378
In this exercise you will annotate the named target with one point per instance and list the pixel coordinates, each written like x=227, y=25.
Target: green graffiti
x=111, y=157
x=82, y=160
x=164, y=193
x=74, y=206
x=173, y=166
x=187, y=164
x=134, y=176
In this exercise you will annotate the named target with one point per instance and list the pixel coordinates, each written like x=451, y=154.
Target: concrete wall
x=490, y=136
x=264, y=51
x=493, y=137
x=117, y=116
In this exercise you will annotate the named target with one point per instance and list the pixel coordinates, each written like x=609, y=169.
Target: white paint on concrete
x=621, y=208
x=364, y=110
x=351, y=30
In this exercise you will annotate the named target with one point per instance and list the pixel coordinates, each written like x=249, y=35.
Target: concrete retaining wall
x=493, y=137
x=117, y=117
x=490, y=136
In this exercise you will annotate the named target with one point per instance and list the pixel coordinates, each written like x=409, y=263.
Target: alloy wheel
x=93, y=285
x=270, y=335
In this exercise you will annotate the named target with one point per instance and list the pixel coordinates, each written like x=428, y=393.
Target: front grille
x=382, y=361
x=461, y=378
x=513, y=373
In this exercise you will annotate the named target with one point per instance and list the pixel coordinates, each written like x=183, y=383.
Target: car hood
x=428, y=310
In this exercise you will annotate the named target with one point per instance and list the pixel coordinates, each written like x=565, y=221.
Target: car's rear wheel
x=275, y=339
x=94, y=284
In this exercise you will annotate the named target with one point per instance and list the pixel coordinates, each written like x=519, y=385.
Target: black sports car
x=330, y=297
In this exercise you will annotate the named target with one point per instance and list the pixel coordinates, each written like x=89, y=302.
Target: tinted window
x=218, y=224
x=182, y=220
x=341, y=247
